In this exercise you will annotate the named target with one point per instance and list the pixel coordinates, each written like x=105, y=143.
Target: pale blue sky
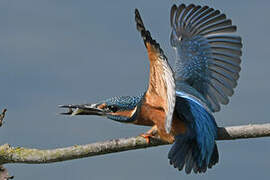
x=63, y=51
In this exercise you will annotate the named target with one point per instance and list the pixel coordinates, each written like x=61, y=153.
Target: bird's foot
x=151, y=133
x=147, y=137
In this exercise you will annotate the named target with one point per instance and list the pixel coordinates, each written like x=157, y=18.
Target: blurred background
x=63, y=51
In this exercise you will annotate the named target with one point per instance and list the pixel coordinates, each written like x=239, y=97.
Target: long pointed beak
x=82, y=110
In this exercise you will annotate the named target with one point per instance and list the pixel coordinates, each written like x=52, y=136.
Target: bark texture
x=10, y=154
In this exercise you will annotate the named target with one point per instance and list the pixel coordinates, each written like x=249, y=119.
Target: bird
x=179, y=103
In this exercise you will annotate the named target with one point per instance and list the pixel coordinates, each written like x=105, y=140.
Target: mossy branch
x=10, y=154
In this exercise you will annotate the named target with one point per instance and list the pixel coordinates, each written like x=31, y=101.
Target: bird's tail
x=186, y=152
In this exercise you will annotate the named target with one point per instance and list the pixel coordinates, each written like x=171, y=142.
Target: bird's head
x=121, y=108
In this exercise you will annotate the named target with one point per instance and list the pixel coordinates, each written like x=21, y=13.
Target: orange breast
x=154, y=114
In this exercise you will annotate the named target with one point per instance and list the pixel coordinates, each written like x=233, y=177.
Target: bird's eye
x=113, y=108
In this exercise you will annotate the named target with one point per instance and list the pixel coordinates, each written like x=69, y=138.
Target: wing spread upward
x=208, y=57
x=161, y=80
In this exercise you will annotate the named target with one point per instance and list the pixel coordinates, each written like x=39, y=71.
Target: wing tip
x=145, y=34
x=139, y=22
x=173, y=10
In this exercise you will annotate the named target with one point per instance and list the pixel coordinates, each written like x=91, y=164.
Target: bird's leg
x=151, y=133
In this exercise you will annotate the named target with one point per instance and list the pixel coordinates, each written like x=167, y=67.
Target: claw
x=151, y=133
x=147, y=137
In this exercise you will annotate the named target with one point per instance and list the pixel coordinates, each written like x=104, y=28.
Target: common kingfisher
x=179, y=104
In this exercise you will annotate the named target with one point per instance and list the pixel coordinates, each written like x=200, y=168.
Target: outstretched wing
x=208, y=57
x=161, y=81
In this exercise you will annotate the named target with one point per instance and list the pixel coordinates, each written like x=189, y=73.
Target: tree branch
x=10, y=154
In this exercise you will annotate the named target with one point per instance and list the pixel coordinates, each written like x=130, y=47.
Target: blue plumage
x=123, y=102
x=122, y=119
x=195, y=148
x=207, y=56
x=206, y=72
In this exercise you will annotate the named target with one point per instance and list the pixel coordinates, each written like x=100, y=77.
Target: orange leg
x=151, y=133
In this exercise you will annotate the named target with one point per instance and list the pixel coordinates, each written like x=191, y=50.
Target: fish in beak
x=85, y=109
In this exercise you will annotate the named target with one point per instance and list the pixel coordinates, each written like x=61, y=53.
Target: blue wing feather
x=206, y=72
x=208, y=58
